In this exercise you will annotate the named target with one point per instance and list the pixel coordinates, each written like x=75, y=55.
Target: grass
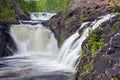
x=115, y=78
x=52, y=5
x=82, y=17
x=94, y=42
x=28, y=6
x=96, y=46
x=86, y=68
x=83, y=54
x=115, y=6
x=6, y=14
x=113, y=29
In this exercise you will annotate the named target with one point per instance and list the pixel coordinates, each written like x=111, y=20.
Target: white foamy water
x=38, y=52
x=38, y=44
x=72, y=48
x=41, y=16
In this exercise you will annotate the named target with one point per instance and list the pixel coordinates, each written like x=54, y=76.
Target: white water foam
x=71, y=49
x=41, y=16
x=38, y=48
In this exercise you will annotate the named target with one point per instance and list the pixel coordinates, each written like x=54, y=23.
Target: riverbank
x=100, y=57
x=67, y=22
x=100, y=54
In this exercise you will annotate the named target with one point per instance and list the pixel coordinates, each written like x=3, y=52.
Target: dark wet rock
x=115, y=41
x=102, y=65
x=2, y=65
x=110, y=51
x=62, y=26
x=19, y=75
x=89, y=19
x=106, y=61
x=116, y=55
x=7, y=45
x=53, y=77
x=66, y=23
x=106, y=30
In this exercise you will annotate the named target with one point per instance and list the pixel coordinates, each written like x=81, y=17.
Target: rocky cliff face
x=67, y=22
x=88, y=3
x=96, y=63
x=7, y=45
x=103, y=64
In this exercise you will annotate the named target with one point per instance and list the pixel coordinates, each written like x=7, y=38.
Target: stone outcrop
x=66, y=23
x=7, y=45
x=89, y=3
x=105, y=63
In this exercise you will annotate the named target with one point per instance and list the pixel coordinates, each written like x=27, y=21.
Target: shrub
x=96, y=46
x=113, y=29
x=94, y=42
x=115, y=6
x=52, y=5
x=5, y=13
x=83, y=53
x=86, y=68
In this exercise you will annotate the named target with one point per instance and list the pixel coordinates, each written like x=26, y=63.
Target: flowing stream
x=38, y=56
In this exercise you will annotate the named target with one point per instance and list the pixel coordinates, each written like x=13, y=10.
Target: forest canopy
x=9, y=14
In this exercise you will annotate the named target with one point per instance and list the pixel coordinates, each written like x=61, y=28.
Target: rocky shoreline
x=67, y=22
x=104, y=64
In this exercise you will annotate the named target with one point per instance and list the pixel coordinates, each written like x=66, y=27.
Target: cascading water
x=41, y=16
x=35, y=38
x=38, y=53
x=67, y=55
x=71, y=49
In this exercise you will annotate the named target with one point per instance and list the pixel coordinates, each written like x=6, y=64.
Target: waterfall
x=34, y=38
x=72, y=47
x=38, y=55
x=41, y=16
x=39, y=42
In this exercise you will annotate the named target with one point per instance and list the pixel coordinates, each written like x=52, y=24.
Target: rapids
x=38, y=56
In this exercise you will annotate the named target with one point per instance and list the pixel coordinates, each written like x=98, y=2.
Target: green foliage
x=28, y=6
x=5, y=13
x=69, y=20
x=52, y=5
x=94, y=72
x=96, y=46
x=76, y=69
x=86, y=68
x=115, y=6
x=83, y=53
x=100, y=28
x=92, y=38
x=113, y=29
x=82, y=17
x=94, y=42
x=115, y=78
